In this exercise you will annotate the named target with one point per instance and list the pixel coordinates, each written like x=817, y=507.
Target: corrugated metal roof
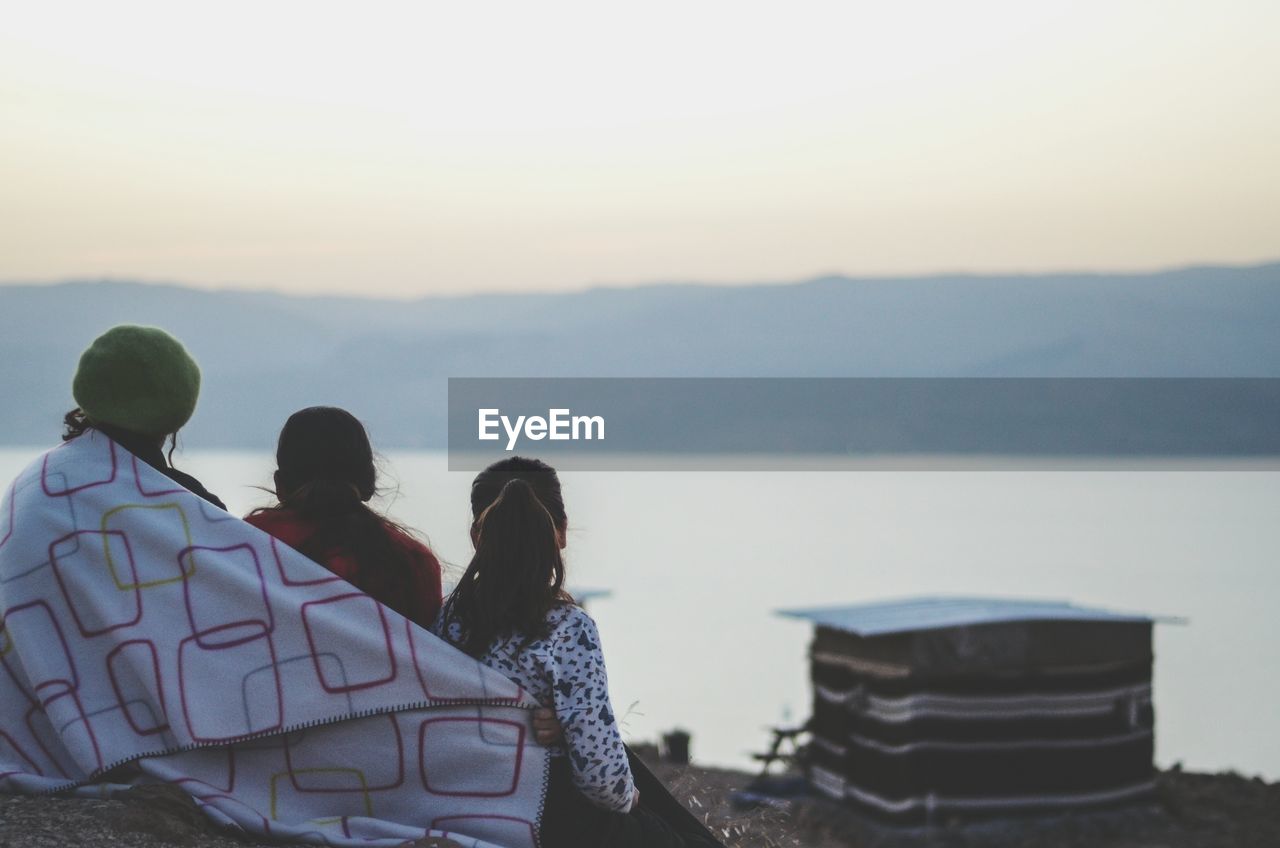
x=930, y=613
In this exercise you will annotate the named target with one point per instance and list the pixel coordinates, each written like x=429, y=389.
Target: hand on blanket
x=546, y=729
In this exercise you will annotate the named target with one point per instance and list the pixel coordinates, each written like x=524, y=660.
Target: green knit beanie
x=139, y=379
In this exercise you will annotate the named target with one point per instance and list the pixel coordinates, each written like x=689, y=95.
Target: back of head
x=326, y=474
x=517, y=573
x=138, y=380
x=324, y=462
x=540, y=477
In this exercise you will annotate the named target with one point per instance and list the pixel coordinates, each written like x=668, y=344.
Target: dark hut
x=932, y=709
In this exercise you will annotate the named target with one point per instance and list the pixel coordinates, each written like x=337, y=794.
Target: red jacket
x=415, y=593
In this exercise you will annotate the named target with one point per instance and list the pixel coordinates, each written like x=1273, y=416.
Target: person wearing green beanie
x=138, y=386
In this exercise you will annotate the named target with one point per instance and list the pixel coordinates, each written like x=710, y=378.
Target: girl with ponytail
x=325, y=477
x=510, y=611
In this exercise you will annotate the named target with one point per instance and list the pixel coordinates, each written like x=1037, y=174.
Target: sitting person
x=138, y=386
x=510, y=611
x=150, y=638
x=325, y=477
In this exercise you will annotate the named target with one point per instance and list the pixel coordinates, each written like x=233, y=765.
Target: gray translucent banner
x=754, y=424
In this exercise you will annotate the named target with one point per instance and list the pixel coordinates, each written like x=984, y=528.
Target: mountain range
x=264, y=354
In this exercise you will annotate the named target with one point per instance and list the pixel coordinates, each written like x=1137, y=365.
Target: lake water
x=698, y=561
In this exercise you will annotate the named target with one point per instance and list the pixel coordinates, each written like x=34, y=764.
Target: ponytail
x=516, y=575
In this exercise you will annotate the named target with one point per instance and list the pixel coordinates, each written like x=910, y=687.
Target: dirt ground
x=1193, y=811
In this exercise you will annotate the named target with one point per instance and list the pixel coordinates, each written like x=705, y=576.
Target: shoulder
x=571, y=625
x=445, y=627
x=285, y=524
x=411, y=546
x=268, y=517
x=194, y=486
x=404, y=540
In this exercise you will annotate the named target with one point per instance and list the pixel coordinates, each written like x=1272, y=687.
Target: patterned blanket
x=147, y=636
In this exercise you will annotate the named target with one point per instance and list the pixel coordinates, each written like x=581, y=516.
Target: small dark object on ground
x=675, y=747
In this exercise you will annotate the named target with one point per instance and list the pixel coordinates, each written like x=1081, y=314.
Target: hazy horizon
x=410, y=150
x=622, y=285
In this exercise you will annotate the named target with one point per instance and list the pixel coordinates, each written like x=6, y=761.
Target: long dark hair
x=516, y=576
x=76, y=423
x=325, y=472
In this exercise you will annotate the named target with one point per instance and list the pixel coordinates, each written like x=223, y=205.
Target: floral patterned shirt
x=565, y=672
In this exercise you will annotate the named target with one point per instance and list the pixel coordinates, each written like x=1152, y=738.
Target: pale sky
x=418, y=148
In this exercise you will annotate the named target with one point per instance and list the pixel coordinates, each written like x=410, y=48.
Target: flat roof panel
x=900, y=615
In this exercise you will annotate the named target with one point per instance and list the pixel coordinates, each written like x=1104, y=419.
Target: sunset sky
x=418, y=148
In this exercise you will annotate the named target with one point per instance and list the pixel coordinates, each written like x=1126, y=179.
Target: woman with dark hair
x=510, y=611
x=325, y=477
x=138, y=386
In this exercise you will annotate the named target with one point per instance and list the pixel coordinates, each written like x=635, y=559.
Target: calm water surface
x=698, y=561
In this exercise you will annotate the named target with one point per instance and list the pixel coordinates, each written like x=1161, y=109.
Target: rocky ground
x=1193, y=811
